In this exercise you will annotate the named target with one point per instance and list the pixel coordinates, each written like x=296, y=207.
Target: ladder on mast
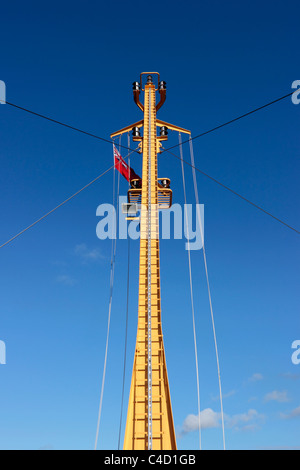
x=150, y=424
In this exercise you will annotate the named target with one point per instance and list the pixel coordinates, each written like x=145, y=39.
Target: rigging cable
x=174, y=146
x=55, y=121
x=112, y=274
x=126, y=318
x=220, y=126
x=208, y=286
x=234, y=192
x=191, y=292
x=61, y=204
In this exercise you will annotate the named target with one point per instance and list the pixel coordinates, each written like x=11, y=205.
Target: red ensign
x=123, y=168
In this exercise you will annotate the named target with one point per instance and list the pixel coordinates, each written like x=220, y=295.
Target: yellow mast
x=149, y=423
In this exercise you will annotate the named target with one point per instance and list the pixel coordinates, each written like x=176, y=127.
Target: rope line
x=220, y=126
x=112, y=274
x=60, y=205
x=235, y=193
x=68, y=126
x=191, y=292
x=126, y=321
x=208, y=289
x=55, y=208
x=174, y=146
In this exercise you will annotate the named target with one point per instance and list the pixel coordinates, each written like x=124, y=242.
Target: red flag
x=123, y=167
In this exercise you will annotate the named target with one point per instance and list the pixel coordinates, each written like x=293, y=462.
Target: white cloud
x=249, y=421
x=280, y=397
x=252, y=399
x=295, y=413
x=291, y=376
x=86, y=254
x=255, y=377
x=208, y=419
x=225, y=395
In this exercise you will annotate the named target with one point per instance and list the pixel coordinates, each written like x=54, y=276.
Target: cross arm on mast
x=172, y=127
x=127, y=129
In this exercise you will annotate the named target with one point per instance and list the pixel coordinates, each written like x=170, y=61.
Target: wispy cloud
x=252, y=399
x=255, y=377
x=208, y=419
x=249, y=421
x=280, y=397
x=289, y=375
x=66, y=280
x=225, y=395
x=295, y=413
x=87, y=254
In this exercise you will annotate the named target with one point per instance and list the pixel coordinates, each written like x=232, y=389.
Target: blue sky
x=76, y=61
